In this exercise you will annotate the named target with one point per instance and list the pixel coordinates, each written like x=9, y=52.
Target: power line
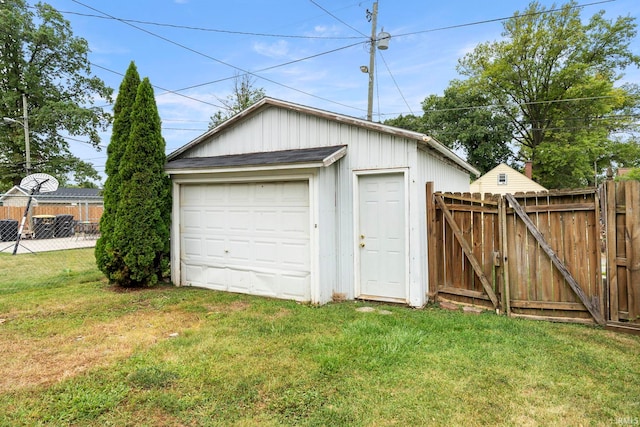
x=159, y=87
x=395, y=83
x=185, y=129
x=488, y=21
x=127, y=21
x=473, y=107
x=271, y=67
x=211, y=30
x=220, y=61
x=338, y=19
x=176, y=91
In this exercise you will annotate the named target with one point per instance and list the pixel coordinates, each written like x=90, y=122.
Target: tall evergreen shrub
x=141, y=229
x=108, y=260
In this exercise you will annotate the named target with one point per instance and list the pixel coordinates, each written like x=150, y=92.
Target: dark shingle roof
x=76, y=193
x=306, y=155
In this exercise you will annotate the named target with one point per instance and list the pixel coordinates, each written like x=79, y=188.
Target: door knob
x=362, y=245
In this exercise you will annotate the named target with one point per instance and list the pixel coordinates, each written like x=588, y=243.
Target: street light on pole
x=381, y=41
x=25, y=124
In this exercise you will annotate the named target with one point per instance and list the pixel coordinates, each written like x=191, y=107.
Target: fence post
x=431, y=243
x=502, y=221
x=612, y=265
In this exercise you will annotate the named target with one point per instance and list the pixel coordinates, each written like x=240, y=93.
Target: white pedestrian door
x=381, y=237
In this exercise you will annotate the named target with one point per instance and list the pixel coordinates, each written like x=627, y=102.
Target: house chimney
x=528, y=169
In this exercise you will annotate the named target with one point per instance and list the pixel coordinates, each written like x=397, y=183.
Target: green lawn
x=74, y=351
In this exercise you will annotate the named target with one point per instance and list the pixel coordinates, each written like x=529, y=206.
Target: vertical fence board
x=516, y=284
x=632, y=246
x=432, y=247
x=612, y=265
x=621, y=252
x=504, y=259
x=478, y=244
x=594, y=245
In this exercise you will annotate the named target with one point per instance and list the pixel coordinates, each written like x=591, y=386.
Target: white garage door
x=247, y=237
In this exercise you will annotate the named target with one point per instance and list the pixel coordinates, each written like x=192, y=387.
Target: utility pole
x=25, y=125
x=372, y=59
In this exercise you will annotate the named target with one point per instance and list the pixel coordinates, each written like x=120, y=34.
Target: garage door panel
x=266, y=284
x=266, y=252
x=215, y=249
x=193, y=274
x=293, y=255
x=191, y=219
x=295, y=221
x=266, y=221
x=295, y=287
x=239, y=280
x=239, y=220
x=212, y=196
x=192, y=246
x=267, y=192
x=216, y=278
x=240, y=193
x=214, y=219
x=296, y=192
x=192, y=194
x=240, y=251
x=254, y=237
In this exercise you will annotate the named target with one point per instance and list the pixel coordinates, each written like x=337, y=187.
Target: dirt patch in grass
x=138, y=289
x=48, y=360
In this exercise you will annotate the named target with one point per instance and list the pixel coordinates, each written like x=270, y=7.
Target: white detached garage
x=293, y=202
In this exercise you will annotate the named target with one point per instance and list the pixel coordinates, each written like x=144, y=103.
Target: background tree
x=461, y=121
x=108, y=260
x=244, y=96
x=554, y=78
x=50, y=66
x=632, y=175
x=141, y=231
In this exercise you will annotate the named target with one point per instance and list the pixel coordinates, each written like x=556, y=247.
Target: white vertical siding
x=275, y=129
x=326, y=226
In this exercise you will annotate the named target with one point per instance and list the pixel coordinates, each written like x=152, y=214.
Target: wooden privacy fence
x=89, y=212
x=538, y=255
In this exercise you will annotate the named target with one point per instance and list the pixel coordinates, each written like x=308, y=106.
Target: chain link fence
x=48, y=236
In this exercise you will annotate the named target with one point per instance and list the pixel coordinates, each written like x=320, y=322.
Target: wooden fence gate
x=538, y=255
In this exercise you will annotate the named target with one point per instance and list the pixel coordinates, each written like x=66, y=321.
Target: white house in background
x=292, y=202
x=502, y=180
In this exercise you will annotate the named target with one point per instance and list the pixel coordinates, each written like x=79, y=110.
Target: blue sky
x=322, y=41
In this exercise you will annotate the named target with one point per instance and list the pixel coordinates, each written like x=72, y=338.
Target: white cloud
x=278, y=49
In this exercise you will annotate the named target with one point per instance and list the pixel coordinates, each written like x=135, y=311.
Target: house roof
x=267, y=102
x=321, y=156
x=82, y=193
x=60, y=193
